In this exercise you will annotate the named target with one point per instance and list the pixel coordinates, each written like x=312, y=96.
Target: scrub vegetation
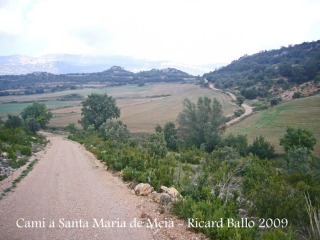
x=219, y=176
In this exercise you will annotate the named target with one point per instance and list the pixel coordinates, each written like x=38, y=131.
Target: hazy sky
x=187, y=31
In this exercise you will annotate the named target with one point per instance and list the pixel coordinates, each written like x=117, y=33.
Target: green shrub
x=239, y=112
x=239, y=142
x=296, y=95
x=17, y=164
x=261, y=105
x=25, y=150
x=192, y=156
x=278, y=234
x=213, y=210
x=130, y=174
x=262, y=148
x=299, y=160
x=271, y=194
x=218, y=184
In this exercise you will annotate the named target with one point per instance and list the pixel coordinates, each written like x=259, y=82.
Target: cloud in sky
x=189, y=31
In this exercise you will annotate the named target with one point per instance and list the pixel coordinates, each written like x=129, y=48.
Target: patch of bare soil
x=306, y=89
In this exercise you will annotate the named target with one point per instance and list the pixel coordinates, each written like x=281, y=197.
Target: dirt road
x=70, y=195
x=247, y=109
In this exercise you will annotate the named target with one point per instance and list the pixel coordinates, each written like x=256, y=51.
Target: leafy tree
x=13, y=122
x=298, y=75
x=249, y=93
x=37, y=112
x=296, y=95
x=262, y=148
x=239, y=143
x=275, y=101
x=156, y=145
x=297, y=138
x=97, y=109
x=310, y=69
x=229, y=154
x=317, y=79
x=240, y=100
x=170, y=135
x=32, y=124
x=201, y=124
x=285, y=69
x=299, y=160
x=115, y=131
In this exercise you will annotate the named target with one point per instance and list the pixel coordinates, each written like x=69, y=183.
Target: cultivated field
x=272, y=123
x=141, y=107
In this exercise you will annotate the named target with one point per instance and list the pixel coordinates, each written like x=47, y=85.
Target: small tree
x=240, y=100
x=239, y=143
x=115, y=131
x=157, y=144
x=32, y=124
x=97, y=109
x=296, y=95
x=299, y=161
x=200, y=124
x=13, y=122
x=170, y=135
x=37, y=112
x=262, y=148
x=275, y=101
x=297, y=138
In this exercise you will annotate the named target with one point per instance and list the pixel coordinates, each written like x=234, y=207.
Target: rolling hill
x=41, y=82
x=270, y=74
x=272, y=123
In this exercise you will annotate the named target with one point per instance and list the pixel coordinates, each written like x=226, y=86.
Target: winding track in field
x=248, y=109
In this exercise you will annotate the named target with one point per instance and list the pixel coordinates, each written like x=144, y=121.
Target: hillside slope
x=272, y=123
x=270, y=73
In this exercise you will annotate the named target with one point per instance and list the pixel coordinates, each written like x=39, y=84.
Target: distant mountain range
x=66, y=63
x=40, y=82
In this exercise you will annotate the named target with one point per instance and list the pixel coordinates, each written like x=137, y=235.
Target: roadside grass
x=314, y=217
x=22, y=175
x=272, y=123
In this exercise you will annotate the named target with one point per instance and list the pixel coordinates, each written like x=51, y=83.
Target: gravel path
x=247, y=108
x=69, y=183
x=72, y=189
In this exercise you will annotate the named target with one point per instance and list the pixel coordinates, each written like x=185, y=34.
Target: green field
x=15, y=104
x=272, y=123
x=15, y=108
